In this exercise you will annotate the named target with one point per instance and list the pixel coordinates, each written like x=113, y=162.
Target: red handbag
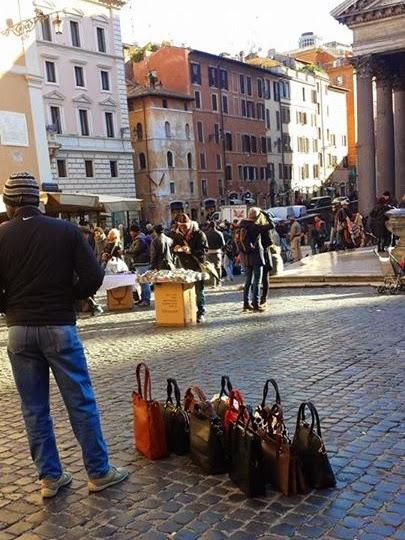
x=234, y=408
x=149, y=428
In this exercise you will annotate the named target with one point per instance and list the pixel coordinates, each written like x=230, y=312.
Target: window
x=139, y=131
x=269, y=145
x=267, y=93
x=213, y=76
x=240, y=172
x=270, y=171
x=204, y=188
x=195, y=73
x=344, y=140
x=84, y=122
x=219, y=162
x=263, y=145
x=316, y=171
x=200, y=132
x=225, y=104
x=167, y=129
x=250, y=109
x=216, y=133
x=185, y=106
x=214, y=102
x=287, y=142
x=285, y=115
x=228, y=172
x=268, y=125
x=315, y=145
x=79, y=76
x=276, y=91
x=192, y=188
x=278, y=120
x=243, y=104
x=242, y=84
x=253, y=144
x=197, y=97
x=74, y=33
x=249, y=85
x=101, y=39
x=170, y=161
x=55, y=119
x=280, y=171
x=164, y=103
x=172, y=188
x=333, y=140
x=187, y=130
x=228, y=142
x=113, y=169
x=260, y=111
x=203, y=164
x=46, y=29
x=61, y=164
x=263, y=173
x=50, y=71
x=223, y=77
x=285, y=89
x=220, y=187
x=320, y=158
x=246, y=143
x=105, y=80
x=314, y=97
x=303, y=94
x=88, y=165
x=189, y=160
x=142, y=161
x=260, y=87
x=109, y=124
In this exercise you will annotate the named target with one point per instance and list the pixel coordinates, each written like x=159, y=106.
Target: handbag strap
x=316, y=415
x=226, y=386
x=235, y=395
x=301, y=414
x=191, y=394
x=172, y=384
x=266, y=390
x=147, y=385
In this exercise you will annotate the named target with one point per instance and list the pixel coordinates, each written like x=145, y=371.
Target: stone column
x=385, y=129
x=399, y=123
x=365, y=134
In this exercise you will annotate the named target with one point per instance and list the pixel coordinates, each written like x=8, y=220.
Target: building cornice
x=356, y=12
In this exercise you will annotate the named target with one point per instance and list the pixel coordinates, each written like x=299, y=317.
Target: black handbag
x=176, y=420
x=220, y=403
x=310, y=450
x=247, y=464
x=206, y=433
x=270, y=418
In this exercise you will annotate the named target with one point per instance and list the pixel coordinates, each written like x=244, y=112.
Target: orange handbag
x=149, y=428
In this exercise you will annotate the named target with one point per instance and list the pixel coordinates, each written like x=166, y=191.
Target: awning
x=70, y=202
x=112, y=203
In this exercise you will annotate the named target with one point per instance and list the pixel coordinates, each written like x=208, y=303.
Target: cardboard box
x=175, y=304
x=120, y=298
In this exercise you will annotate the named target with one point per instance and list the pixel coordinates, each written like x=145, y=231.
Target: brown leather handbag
x=149, y=428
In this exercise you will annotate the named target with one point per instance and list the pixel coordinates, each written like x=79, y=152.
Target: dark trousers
x=265, y=284
x=200, y=294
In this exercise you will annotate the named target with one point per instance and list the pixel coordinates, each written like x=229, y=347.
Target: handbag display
x=220, y=401
x=149, y=429
x=270, y=418
x=310, y=450
x=247, y=464
x=206, y=433
x=176, y=421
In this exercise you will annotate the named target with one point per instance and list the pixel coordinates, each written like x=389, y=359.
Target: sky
x=231, y=25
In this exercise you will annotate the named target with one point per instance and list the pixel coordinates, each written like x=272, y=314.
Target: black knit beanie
x=21, y=189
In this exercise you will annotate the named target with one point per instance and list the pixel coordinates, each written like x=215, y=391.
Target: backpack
x=243, y=241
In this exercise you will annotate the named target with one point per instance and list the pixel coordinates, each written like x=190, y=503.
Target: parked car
x=317, y=203
x=282, y=212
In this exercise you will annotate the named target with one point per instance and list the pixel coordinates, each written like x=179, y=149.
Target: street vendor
x=191, y=247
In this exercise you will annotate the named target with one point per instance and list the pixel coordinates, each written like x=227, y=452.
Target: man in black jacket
x=216, y=243
x=160, y=254
x=191, y=248
x=45, y=265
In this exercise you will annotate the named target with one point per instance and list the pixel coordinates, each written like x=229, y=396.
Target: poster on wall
x=13, y=129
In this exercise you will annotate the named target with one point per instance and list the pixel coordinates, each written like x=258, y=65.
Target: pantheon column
x=399, y=124
x=385, y=128
x=365, y=134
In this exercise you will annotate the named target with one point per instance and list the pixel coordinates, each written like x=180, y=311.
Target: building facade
x=228, y=121
x=84, y=96
x=162, y=134
x=379, y=61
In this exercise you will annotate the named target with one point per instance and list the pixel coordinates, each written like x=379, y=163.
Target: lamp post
x=25, y=26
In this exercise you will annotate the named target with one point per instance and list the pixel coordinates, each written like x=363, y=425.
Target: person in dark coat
x=191, y=247
x=379, y=220
x=216, y=243
x=160, y=254
x=252, y=257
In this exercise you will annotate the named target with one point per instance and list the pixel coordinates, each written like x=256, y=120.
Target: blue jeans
x=253, y=278
x=145, y=287
x=33, y=350
x=200, y=294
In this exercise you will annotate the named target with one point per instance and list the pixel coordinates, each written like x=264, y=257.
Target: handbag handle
x=226, y=386
x=147, y=385
x=190, y=394
x=172, y=384
x=301, y=414
x=266, y=390
x=316, y=415
x=235, y=395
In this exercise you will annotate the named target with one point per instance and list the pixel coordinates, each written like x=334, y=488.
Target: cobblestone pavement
x=341, y=348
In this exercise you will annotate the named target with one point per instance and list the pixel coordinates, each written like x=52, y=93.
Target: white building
x=306, y=131
x=84, y=95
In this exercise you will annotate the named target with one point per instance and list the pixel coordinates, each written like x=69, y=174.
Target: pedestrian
x=113, y=246
x=249, y=243
x=216, y=242
x=295, y=239
x=139, y=254
x=379, y=220
x=344, y=225
x=319, y=234
x=93, y=306
x=100, y=241
x=402, y=203
x=267, y=243
x=39, y=257
x=191, y=247
x=160, y=254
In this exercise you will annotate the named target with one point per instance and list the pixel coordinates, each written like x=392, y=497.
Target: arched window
x=142, y=161
x=187, y=129
x=170, y=160
x=189, y=160
x=139, y=131
x=167, y=129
